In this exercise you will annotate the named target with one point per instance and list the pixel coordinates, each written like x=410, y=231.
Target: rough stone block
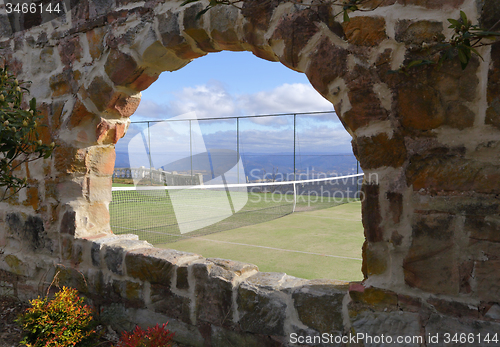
x=70, y=50
x=95, y=39
x=431, y=263
x=213, y=291
x=365, y=31
x=99, y=188
x=101, y=160
x=418, y=32
x=327, y=63
x=80, y=115
x=371, y=216
x=101, y=93
x=295, y=30
x=261, y=309
x=487, y=274
x=173, y=305
x=121, y=68
x=156, y=266
x=388, y=324
x=69, y=159
x=441, y=172
x=419, y=107
x=380, y=150
x=320, y=307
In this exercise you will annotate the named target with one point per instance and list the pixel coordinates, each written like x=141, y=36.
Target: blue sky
x=229, y=84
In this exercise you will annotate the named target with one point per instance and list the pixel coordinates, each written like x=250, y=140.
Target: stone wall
x=431, y=218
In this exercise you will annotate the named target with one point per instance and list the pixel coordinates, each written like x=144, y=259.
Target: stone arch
x=430, y=141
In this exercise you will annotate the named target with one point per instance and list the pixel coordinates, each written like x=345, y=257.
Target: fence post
x=294, y=135
x=238, y=148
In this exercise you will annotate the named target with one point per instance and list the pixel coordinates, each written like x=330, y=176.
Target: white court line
x=277, y=249
x=245, y=244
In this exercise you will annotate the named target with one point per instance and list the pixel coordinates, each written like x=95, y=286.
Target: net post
x=294, y=196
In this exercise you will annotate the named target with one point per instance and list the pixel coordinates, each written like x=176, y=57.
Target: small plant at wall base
x=61, y=322
x=19, y=138
x=157, y=336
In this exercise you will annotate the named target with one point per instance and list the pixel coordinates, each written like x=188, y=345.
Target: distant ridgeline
x=258, y=167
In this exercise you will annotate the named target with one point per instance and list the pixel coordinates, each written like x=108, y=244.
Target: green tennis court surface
x=314, y=244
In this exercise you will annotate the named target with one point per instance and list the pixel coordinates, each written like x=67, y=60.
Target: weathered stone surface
x=101, y=93
x=327, y=63
x=260, y=310
x=487, y=274
x=431, y=263
x=371, y=217
x=380, y=150
x=375, y=258
x=443, y=324
x=101, y=160
x=411, y=32
x=433, y=173
x=493, y=111
x=226, y=338
x=223, y=31
x=393, y=324
x=365, y=31
x=170, y=304
x=459, y=116
x=320, y=307
x=121, y=68
x=295, y=30
x=95, y=39
x=237, y=267
x=420, y=107
x=155, y=265
x=70, y=50
x=30, y=229
x=213, y=291
x=396, y=205
x=365, y=104
x=68, y=223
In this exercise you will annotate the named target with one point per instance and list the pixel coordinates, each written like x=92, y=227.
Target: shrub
x=62, y=321
x=157, y=336
x=19, y=133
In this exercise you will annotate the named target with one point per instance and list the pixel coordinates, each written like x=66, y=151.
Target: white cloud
x=287, y=98
x=214, y=100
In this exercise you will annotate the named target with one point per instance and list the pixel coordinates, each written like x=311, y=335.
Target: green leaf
x=11, y=153
x=414, y=63
x=454, y=22
x=462, y=55
x=188, y=2
x=202, y=12
x=464, y=17
x=346, y=17
x=33, y=104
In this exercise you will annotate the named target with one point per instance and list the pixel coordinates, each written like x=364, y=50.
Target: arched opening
x=294, y=141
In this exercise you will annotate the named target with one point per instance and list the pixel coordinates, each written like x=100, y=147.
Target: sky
x=229, y=84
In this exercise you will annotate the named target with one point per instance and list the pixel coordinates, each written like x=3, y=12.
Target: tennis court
x=314, y=244
x=318, y=243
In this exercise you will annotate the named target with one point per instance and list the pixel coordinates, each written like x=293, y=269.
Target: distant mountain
x=261, y=166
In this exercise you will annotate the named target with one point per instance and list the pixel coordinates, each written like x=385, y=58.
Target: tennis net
x=163, y=214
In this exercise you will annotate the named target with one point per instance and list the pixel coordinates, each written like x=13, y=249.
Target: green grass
x=336, y=231
x=307, y=244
